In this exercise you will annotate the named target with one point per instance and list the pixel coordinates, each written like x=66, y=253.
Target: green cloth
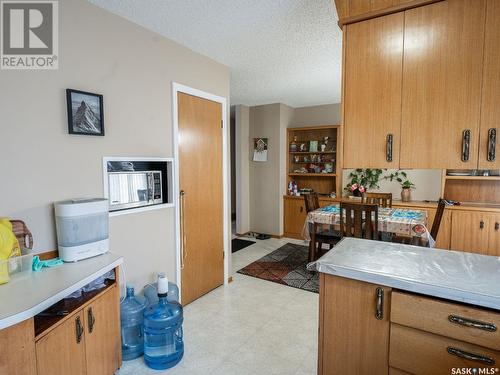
x=39, y=264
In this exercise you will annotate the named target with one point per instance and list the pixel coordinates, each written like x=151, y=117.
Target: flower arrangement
x=362, y=180
x=402, y=178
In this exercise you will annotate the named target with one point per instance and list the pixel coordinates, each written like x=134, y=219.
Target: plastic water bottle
x=132, y=317
x=163, y=342
x=151, y=292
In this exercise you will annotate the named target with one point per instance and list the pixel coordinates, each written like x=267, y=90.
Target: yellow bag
x=9, y=246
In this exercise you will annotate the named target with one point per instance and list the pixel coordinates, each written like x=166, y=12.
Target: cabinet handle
x=466, y=145
x=470, y=356
x=492, y=143
x=481, y=224
x=390, y=140
x=490, y=327
x=91, y=319
x=301, y=209
x=379, y=312
x=79, y=329
x=497, y=226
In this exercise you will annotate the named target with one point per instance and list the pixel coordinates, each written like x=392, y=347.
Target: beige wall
x=327, y=114
x=133, y=68
x=242, y=150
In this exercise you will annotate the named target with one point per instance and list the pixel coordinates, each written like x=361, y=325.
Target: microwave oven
x=131, y=189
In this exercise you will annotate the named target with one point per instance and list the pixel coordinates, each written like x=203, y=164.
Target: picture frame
x=85, y=113
x=313, y=146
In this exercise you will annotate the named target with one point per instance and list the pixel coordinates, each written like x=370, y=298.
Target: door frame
x=226, y=188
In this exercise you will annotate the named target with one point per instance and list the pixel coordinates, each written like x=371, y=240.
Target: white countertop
x=453, y=275
x=26, y=295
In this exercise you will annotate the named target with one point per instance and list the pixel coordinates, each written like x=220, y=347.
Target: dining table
x=404, y=222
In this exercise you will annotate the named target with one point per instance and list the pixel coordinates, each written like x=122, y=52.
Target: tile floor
x=250, y=327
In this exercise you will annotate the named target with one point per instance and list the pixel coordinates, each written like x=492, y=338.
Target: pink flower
x=354, y=187
x=361, y=189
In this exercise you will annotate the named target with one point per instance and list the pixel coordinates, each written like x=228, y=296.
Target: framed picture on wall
x=85, y=113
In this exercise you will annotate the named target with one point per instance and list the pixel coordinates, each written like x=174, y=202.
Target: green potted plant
x=406, y=184
x=362, y=180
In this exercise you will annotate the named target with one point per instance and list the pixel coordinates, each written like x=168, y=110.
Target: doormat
x=238, y=244
x=286, y=266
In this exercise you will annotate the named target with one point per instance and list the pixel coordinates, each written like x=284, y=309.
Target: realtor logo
x=29, y=34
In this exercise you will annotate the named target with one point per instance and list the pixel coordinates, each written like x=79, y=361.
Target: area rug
x=238, y=244
x=286, y=266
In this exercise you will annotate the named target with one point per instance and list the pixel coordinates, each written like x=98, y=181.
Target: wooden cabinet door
x=18, y=349
x=102, y=334
x=470, y=231
x=442, y=74
x=351, y=339
x=59, y=352
x=490, y=109
x=494, y=235
x=295, y=217
x=372, y=91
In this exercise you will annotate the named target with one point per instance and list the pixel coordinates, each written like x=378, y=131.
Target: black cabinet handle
x=379, y=312
x=390, y=141
x=492, y=144
x=497, y=226
x=91, y=319
x=466, y=145
x=470, y=356
x=301, y=209
x=481, y=224
x=79, y=329
x=471, y=323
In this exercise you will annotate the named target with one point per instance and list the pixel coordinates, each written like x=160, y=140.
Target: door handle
x=79, y=329
x=389, y=144
x=183, y=228
x=497, y=226
x=91, y=319
x=492, y=144
x=481, y=224
x=470, y=356
x=379, y=311
x=466, y=145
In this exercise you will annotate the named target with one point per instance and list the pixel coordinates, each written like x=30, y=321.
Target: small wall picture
x=313, y=146
x=260, y=149
x=85, y=113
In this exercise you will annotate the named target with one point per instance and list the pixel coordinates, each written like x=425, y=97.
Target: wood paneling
x=395, y=371
x=490, y=110
x=200, y=174
x=443, y=56
x=372, y=97
x=102, y=345
x=473, y=191
x=17, y=344
x=467, y=234
x=420, y=352
x=494, y=236
x=59, y=353
x=407, y=310
x=352, y=340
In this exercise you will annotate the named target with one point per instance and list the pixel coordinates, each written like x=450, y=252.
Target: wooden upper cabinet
x=372, y=91
x=490, y=110
x=442, y=74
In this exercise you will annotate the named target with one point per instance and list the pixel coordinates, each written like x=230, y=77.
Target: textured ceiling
x=286, y=51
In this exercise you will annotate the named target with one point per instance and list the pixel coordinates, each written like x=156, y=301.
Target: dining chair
x=436, y=224
x=318, y=237
x=359, y=220
x=380, y=199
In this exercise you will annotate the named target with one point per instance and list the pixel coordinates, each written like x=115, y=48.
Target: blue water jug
x=151, y=292
x=163, y=342
x=132, y=317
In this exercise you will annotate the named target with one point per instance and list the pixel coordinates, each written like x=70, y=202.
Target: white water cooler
x=82, y=228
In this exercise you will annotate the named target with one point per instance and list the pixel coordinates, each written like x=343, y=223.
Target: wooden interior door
x=442, y=73
x=59, y=352
x=470, y=231
x=372, y=94
x=201, y=186
x=102, y=334
x=490, y=110
x=351, y=339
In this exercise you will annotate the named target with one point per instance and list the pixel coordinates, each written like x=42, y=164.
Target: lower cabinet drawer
x=461, y=322
x=419, y=352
